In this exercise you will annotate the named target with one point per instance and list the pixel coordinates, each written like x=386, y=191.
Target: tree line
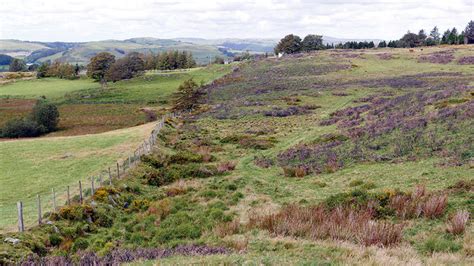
x=449, y=37
x=293, y=44
x=104, y=67
x=169, y=60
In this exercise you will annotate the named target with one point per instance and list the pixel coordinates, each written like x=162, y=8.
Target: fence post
x=68, y=196
x=118, y=171
x=110, y=177
x=80, y=192
x=54, y=199
x=39, y=210
x=129, y=161
x=92, y=186
x=21, y=225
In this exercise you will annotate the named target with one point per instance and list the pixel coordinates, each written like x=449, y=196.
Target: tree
x=45, y=114
x=445, y=38
x=410, y=40
x=188, y=95
x=17, y=65
x=99, y=65
x=469, y=32
x=435, y=36
x=126, y=68
x=382, y=44
x=42, y=71
x=422, y=37
x=461, y=37
x=312, y=42
x=453, y=36
x=289, y=44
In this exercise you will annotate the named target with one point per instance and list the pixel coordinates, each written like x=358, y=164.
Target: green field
x=149, y=87
x=35, y=166
x=51, y=88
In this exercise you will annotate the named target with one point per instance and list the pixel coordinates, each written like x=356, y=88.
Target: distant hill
x=37, y=52
x=81, y=52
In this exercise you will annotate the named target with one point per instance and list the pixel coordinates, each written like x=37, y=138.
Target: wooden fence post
x=21, y=225
x=68, y=196
x=92, y=186
x=110, y=177
x=39, y=210
x=118, y=171
x=54, y=199
x=80, y=192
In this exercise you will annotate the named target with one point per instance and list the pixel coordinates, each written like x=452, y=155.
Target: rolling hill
x=202, y=49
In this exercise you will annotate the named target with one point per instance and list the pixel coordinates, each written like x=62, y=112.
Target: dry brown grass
x=316, y=222
x=226, y=167
x=419, y=203
x=228, y=228
x=456, y=225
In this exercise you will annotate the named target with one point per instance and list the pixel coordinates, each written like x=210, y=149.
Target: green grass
x=34, y=166
x=151, y=88
x=52, y=88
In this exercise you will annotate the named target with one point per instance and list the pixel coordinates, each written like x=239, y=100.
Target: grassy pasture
x=51, y=88
x=34, y=166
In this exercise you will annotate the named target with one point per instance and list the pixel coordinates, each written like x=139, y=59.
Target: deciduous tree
x=99, y=65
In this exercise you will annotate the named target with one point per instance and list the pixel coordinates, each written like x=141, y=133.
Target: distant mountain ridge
x=202, y=49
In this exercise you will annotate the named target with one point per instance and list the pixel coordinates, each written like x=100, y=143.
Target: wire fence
x=29, y=212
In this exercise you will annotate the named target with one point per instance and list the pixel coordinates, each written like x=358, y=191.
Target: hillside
x=202, y=49
x=320, y=158
x=37, y=52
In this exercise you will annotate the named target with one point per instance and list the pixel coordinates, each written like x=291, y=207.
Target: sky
x=90, y=20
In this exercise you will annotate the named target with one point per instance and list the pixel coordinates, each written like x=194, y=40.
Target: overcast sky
x=87, y=20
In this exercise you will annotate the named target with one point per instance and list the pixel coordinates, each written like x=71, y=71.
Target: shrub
x=183, y=157
x=21, y=128
x=80, y=244
x=45, y=114
x=457, y=224
x=76, y=212
x=55, y=239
